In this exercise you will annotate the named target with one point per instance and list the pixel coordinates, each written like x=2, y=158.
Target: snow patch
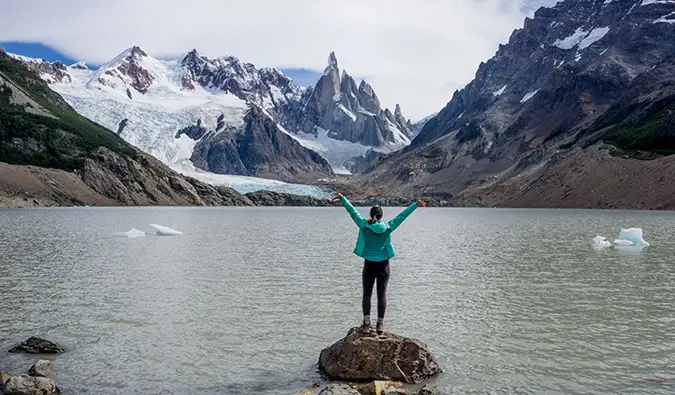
x=336, y=152
x=528, y=96
x=669, y=18
x=581, y=38
x=499, y=92
x=571, y=41
x=594, y=36
x=648, y=2
x=346, y=111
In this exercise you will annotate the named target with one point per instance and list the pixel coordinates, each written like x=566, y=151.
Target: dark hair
x=375, y=213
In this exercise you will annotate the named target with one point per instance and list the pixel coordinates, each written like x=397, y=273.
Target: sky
x=413, y=52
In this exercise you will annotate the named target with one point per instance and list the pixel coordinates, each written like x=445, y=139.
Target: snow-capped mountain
x=577, y=74
x=225, y=116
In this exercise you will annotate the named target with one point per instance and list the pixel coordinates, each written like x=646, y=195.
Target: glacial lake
x=509, y=301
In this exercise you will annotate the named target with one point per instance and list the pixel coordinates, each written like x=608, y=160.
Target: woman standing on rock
x=374, y=246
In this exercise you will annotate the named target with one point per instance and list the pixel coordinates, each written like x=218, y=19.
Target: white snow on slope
x=528, y=96
x=582, y=38
x=499, y=92
x=595, y=35
x=669, y=18
x=336, y=152
x=347, y=112
x=648, y=2
x=571, y=41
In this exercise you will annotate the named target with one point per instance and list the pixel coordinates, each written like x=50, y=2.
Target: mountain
x=585, y=86
x=352, y=113
x=50, y=155
x=204, y=116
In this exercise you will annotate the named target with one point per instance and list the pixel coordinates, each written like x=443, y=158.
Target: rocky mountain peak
x=130, y=68
x=81, y=65
x=559, y=82
x=332, y=61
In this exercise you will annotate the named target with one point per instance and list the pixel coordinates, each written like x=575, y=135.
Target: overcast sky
x=413, y=52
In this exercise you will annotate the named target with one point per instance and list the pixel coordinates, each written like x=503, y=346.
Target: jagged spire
x=332, y=61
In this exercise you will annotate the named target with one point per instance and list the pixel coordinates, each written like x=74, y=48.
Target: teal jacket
x=374, y=241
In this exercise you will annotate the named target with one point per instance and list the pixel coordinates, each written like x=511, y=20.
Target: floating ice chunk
x=165, y=230
x=600, y=242
x=633, y=235
x=623, y=243
x=130, y=234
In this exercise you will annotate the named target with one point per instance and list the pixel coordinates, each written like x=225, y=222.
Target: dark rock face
x=195, y=132
x=269, y=198
x=547, y=89
x=141, y=79
x=365, y=357
x=260, y=149
x=36, y=345
x=123, y=124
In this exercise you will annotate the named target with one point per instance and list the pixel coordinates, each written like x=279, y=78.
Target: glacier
x=154, y=117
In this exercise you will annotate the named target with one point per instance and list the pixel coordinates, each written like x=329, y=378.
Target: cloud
x=413, y=52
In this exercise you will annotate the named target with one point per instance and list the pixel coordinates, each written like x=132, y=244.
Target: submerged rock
x=338, y=389
x=41, y=368
x=366, y=357
x=36, y=345
x=380, y=387
x=27, y=385
x=427, y=390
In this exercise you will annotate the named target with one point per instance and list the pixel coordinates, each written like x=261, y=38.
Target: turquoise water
x=509, y=301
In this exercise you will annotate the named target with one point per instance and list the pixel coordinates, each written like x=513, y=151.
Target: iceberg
x=600, y=242
x=632, y=235
x=165, y=230
x=130, y=234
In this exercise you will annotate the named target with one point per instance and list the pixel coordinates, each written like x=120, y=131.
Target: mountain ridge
x=544, y=96
x=139, y=88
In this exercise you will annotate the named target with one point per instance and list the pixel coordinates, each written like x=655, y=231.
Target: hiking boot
x=379, y=328
x=365, y=327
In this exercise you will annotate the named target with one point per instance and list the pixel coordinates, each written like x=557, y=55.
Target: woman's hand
x=337, y=197
x=421, y=203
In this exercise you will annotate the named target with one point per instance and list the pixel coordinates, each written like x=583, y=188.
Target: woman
x=374, y=246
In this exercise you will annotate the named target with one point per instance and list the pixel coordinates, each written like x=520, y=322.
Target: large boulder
x=36, y=345
x=41, y=368
x=27, y=385
x=368, y=357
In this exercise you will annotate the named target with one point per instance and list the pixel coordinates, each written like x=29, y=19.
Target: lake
x=509, y=301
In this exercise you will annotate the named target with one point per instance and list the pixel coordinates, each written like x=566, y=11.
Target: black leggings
x=375, y=271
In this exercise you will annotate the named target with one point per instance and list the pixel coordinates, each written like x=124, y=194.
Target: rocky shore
x=358, y=364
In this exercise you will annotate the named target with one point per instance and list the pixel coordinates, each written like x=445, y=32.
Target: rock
x=27, y=385
x=381, y=387
x=365, y=357
x=36, y=345
x=338, y=389
x=269, y=198
x=304, y=392
x=41, y=368
x=3, y=378
x=427, y=390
